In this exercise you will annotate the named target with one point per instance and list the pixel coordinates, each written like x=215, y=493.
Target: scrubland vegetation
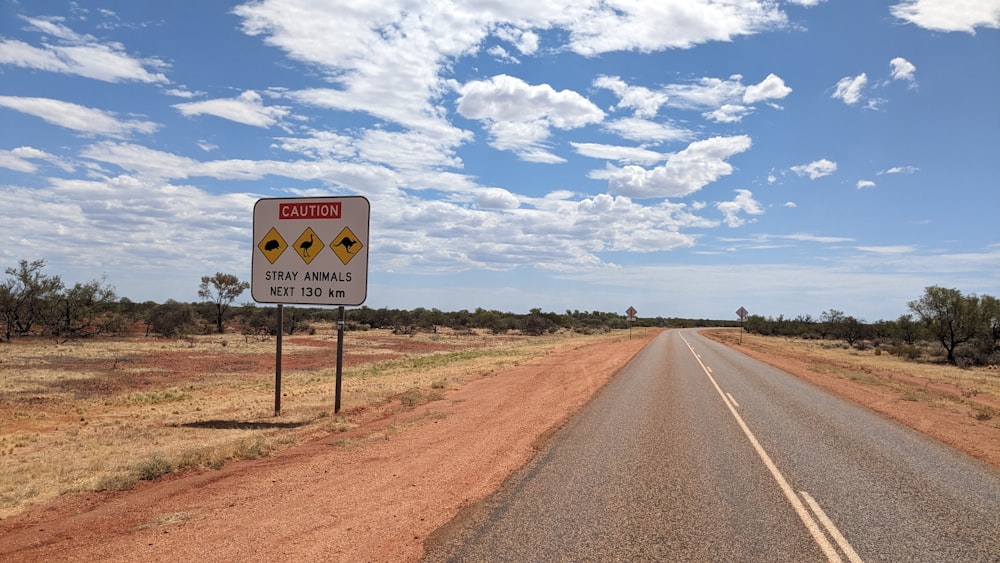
x=98, y=392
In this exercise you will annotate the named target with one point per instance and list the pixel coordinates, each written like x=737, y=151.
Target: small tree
x=949, y=316
x=26, y=297
x=991, y=312
x=83, y=310
x=221, y=290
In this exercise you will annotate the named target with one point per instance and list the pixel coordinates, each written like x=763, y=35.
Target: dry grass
x=104, y=414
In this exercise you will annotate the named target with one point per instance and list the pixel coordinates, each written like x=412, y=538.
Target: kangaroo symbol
x=347, y=243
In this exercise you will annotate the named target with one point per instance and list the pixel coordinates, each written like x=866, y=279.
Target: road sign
x=630, y=314
x=742, y=313
x=326, y=262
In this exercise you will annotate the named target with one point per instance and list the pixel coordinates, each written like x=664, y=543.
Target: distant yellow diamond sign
x=272, y=245
x=308, y=245
x=346, y=245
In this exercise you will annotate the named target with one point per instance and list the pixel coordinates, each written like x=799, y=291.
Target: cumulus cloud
x=525, y=41
x=727, y=113
x=684, y=173
x=743, y=203
x=862, y=184
x=496, y=198
x=950, y=15
x=771, y=88
x=849, y=89
x=902, y=69
x=644, y=101
x=654, y=26
x=248, y=108
x=816, y=169
x=519, y=115
x=725, y=100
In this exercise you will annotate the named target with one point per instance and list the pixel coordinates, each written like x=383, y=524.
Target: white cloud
x=81, y=55
x=411, y=150
x=728, y=113
x=684, y=173
x=745, y=203
x=862, y=184
x=497, y=198
x=519, y=116
x=706, y=93
x=849, y=88
x=644, y=101
x=771, y=88
x=21, y=159
x=950, y=15
x=654, y=26
x=390, y=60
x=722, y=101
x=900, y=170
x=636, y=155
x=816, y=169
x=885, y=250
x=646, y=130
x=807, y=3
x=902, y=69
x=525, y=41
x=247, y=109
x=86, y=120
x=120, y=222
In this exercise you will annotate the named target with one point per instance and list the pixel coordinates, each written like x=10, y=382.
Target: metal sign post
x=340, y=360
x=742, y=314
x=630, y=317
x=277, y=362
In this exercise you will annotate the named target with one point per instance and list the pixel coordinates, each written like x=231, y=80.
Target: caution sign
x=328, y=264
x=272, y=245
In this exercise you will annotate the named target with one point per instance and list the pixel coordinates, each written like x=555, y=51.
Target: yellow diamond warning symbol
x=272, y=245
x=346, y=245
x=308, y=245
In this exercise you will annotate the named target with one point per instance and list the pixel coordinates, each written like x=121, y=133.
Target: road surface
x=695, y=452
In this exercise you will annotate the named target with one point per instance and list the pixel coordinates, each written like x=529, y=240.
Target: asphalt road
x=695, y=452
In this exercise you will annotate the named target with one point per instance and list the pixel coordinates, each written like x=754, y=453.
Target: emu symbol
x=304, y=245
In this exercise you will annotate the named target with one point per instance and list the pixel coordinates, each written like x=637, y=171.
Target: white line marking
x=730, y=395
x=817, y=533
x=831, y=528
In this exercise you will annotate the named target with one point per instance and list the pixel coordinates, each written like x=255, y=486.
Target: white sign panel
x=310, y=251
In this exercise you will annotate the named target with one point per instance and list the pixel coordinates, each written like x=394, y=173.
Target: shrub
x=173, y=319
x=153, y=468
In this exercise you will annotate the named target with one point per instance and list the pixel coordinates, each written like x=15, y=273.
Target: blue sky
x=685, y=157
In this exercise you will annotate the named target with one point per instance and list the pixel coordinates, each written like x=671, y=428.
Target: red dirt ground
x=382, y=499
x=377, y=501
